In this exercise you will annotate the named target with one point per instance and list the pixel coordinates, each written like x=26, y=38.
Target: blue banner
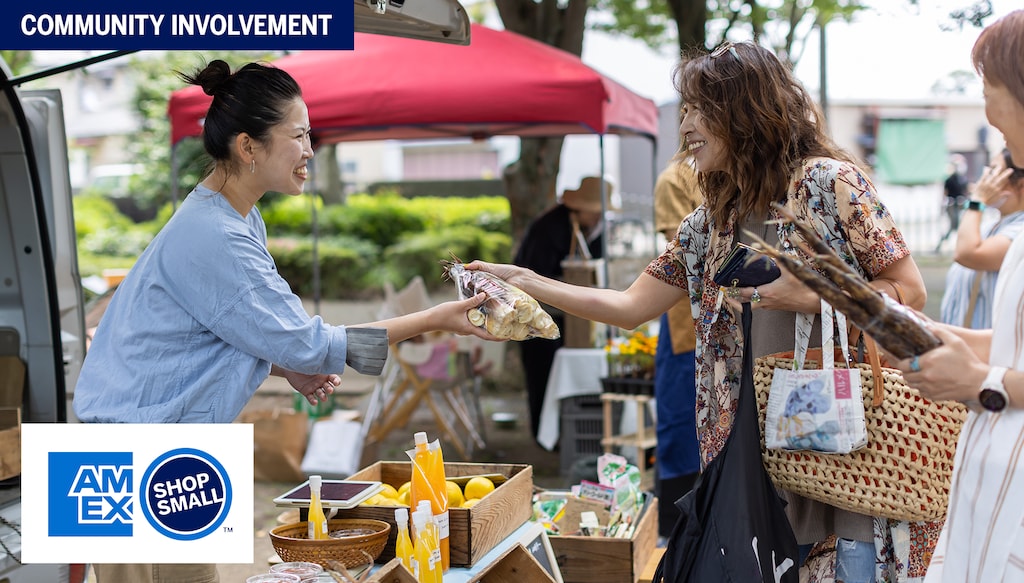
x=191, y=25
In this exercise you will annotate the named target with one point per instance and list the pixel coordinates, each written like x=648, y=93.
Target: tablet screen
x=333, y=493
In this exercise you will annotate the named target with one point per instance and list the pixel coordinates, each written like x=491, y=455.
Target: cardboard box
x=586, y=559
x=472, y=531
x=10, y=442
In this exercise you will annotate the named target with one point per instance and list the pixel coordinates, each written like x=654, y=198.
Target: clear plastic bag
x=509, y=312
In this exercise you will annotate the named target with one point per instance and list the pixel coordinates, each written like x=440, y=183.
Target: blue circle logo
x=186, y=494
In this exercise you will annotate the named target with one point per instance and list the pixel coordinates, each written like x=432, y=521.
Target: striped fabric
x=983, y=538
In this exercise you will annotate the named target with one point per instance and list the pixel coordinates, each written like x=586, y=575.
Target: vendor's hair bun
x=212, y=78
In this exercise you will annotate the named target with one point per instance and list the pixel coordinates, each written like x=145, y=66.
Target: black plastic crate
x=581, y=429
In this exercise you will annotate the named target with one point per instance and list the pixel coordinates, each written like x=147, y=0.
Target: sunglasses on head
x=726, y=47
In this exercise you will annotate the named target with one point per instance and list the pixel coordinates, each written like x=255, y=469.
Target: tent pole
x=604, y=212
x=654, y=182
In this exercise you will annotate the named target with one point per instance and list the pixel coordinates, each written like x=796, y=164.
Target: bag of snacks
x=508, y=312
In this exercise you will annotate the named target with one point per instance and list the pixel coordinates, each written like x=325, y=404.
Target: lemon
x=376, y=500
x=403, y=498
x=404, y=488
x=389, y=491
x=455, y=498
x=470, y=502
x=478, y=487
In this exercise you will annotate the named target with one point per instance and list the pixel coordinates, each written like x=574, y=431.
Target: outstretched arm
x=646, y=299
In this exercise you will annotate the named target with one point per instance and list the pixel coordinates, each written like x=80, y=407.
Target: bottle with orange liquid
x=317, y=520
x=404, y=549
x=428, y=483
x=428, y=569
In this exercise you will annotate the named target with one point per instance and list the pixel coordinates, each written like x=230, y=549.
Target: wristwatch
x=974, y=205
x=993, y=396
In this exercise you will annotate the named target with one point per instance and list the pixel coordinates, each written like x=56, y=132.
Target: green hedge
x=362, y=244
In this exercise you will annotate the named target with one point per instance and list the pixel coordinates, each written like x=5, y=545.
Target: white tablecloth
x=575, y=372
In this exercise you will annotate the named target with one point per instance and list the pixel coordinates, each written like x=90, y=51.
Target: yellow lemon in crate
x=471, y=502
x=376, y=500
x=403, y=498
x=404, y=488
x=455, y=498
x=389, y=491
x=478, y=487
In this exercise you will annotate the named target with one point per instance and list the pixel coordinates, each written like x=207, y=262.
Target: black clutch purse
x=745, y=267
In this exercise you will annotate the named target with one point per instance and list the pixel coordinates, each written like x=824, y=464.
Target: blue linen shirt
x=193, y=329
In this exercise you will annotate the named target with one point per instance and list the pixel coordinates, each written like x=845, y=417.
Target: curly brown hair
x=752, y=102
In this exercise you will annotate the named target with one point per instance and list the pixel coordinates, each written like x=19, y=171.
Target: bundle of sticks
x=895, y=327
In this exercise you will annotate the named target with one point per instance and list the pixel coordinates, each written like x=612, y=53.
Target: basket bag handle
x=872, y=357
x=804, y=324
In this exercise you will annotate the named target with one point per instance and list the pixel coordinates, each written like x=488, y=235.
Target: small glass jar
x=301, y=568
x=274, y=578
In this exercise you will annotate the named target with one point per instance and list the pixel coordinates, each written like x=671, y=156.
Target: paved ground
x=503, y=445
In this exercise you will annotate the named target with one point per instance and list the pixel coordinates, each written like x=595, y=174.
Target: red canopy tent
x=394, y=88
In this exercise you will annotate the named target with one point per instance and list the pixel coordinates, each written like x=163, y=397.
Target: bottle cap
x=402, y=515
x=315, y=482
x=420, y=437
x=419, y=520
x=424, y=505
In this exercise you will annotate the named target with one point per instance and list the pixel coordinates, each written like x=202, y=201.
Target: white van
x=41, y=302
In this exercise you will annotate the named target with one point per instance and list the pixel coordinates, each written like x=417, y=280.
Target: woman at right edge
x=982, y=540
x=756, y=137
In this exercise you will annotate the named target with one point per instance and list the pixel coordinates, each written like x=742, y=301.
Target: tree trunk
x=530, y=180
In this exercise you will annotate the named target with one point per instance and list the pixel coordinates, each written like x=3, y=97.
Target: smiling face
x=281, y=161
x=1006, y=114
x=707, y=151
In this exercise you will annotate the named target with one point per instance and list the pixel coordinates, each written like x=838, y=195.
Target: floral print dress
x=839, y=201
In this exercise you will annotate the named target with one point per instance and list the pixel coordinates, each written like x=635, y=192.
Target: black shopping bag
x=732, y=526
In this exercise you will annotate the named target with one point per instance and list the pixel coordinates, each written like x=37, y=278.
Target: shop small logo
x=185, y=494
x=90, y=494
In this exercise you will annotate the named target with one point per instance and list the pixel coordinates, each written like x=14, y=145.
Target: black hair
x=253, y=100
x=1017, y=173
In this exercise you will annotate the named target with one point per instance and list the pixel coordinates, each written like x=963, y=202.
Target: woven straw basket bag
x=902, y=473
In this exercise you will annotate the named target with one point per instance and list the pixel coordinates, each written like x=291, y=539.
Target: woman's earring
x=252, y=166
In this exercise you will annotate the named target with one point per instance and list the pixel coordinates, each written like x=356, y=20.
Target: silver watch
x=993, y=396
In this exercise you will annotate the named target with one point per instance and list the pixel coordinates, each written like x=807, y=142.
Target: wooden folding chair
x=429, y=370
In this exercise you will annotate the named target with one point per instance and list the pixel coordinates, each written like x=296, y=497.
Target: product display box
x=516, y=565
x=472, y=531
x=586, y=559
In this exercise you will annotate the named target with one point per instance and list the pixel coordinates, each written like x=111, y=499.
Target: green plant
x=346, y=265
x=421, y=253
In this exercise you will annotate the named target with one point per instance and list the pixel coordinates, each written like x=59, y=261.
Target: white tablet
x=333, y=494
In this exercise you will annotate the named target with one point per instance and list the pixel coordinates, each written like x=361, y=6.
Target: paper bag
x=279, y=443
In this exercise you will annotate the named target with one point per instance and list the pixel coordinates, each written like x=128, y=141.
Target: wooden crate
x=393, y=572
x=586, y=559
x=515, y=565
x=472, y=531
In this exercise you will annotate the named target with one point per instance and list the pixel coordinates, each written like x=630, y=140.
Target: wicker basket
x=291, y=543
x=904, y=471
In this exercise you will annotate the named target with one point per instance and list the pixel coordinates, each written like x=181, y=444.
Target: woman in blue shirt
x=203, y=317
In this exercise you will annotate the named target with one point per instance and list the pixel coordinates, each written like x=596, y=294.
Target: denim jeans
x=855, y=560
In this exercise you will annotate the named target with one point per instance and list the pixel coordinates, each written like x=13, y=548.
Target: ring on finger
x=915, y=364
x=755, y=297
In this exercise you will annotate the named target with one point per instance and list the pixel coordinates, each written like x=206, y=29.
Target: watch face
x=992, y=400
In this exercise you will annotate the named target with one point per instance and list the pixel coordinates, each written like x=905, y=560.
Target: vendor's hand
x=785, y=293
x=453, y=316
x=950, y=372
x=315, y=387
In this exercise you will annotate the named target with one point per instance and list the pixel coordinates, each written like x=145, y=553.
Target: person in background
x=981, y=243
x=983, y=536
x=203, y=317
x=676, y=194
x=954, y=194
x=548, y=241
x=756, y=137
